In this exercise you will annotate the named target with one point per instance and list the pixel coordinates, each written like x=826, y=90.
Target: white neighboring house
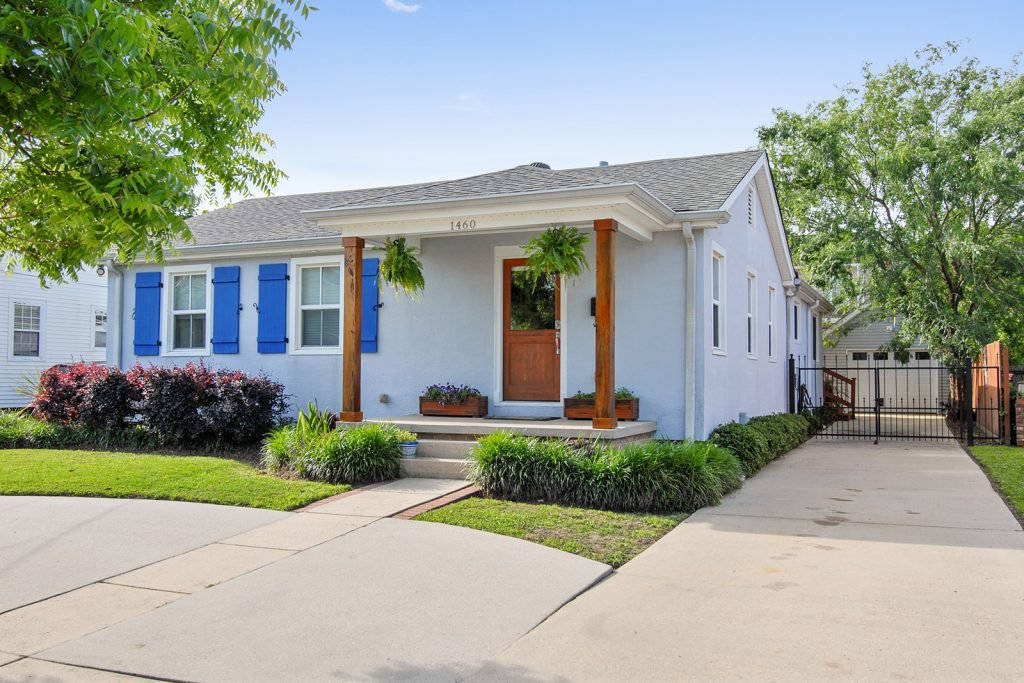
x=46, y=326
x=861, y=340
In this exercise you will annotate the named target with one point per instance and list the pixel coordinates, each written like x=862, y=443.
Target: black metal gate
x=879, y=398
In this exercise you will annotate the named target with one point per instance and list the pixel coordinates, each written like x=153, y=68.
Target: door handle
x=558, y=343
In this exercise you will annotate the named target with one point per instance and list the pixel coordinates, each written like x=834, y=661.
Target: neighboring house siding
x=866, y=336
x=448, y=334
x=733, y=382
x=66, y=322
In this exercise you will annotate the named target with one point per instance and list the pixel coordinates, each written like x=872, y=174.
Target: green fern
x=401, y=268
x=557, y=251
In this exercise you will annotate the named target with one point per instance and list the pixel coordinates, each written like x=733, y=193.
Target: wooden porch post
x=604, y=371
x=351, y=381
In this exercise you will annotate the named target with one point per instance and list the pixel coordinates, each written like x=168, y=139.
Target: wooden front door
x=532, y=336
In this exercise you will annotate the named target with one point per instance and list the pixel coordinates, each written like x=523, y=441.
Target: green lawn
x=166, y=477
x=1005, y=466
x=610, y=537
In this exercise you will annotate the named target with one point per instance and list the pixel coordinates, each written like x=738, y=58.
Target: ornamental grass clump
x=652, y=476
x=356, y=455
x=19, y=430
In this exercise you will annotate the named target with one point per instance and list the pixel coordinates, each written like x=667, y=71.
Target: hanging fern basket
x=557, y=251
x=401, y=268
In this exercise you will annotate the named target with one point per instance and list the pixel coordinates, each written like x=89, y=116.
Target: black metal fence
x=879, y=398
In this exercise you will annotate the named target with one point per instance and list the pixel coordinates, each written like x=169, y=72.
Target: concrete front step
x=437, y=448
x=435, y=468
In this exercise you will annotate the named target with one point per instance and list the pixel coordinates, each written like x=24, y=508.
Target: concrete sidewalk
x=840, y=561
x=336, y=590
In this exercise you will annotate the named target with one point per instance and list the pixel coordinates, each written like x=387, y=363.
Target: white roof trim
x=639, y=213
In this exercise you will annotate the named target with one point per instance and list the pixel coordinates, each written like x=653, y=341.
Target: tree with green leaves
x=118, y=118
x=905, y=194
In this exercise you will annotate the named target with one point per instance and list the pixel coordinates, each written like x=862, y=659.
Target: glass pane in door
x=532, y=305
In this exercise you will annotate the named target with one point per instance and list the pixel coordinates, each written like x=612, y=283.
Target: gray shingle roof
x=686, y=184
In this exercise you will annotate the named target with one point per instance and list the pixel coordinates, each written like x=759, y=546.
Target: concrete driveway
x=338, y=591
x=843, y=560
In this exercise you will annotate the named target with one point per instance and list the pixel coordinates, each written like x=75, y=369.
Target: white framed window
x=188, y=295
x=771, y=321
x=718, y=299
x=751, y=314
x=98, y=331
x=26, y=329
x=796, y=321
x=317, y=315
x=750, y=206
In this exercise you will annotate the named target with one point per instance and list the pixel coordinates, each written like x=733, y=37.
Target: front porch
x=525, y=380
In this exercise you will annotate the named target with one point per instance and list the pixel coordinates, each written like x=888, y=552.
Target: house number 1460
x=464, y=224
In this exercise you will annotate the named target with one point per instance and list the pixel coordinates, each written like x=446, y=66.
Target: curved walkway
x=841, y=560
x=337, y=590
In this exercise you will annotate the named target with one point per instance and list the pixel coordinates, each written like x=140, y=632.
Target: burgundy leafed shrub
x=190, y=406
x=244, y=408
x=171, y=400
x=63, y=388
x=108, y=402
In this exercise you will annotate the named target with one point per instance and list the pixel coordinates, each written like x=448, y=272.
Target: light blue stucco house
x=691, y=301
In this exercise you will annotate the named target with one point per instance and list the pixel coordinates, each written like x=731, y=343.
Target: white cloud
x=468, y=102
x=399, y=6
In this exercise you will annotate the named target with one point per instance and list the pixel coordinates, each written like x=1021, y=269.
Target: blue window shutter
x=226, y=309
x=368, y=340
x=147, y=314
x=272, y=328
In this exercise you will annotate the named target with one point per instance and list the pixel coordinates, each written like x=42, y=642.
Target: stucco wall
x=448, y=334
x=733, y=382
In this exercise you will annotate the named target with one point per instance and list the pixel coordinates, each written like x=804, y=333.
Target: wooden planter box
x=475, y=406
x=583, y=408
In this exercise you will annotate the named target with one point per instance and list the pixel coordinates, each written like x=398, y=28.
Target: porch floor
x=469, y=428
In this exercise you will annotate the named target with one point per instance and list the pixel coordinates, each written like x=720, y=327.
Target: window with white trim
x=771, y=321
x=27, y=330
x=718, y=301
x=751, y=314
x=796, y=321
x=99, y=328
x=319, y=306
x=188, y=311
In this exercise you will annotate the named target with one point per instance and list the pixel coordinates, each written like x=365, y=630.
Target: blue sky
x=387, y=91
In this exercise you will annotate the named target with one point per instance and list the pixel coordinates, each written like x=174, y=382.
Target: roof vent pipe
x=602, y=164
x=540, y=164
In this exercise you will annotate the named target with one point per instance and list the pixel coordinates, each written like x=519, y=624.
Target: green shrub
x=817, y=420
x=746, y=443
x=357, y=455
x=783, y=431
x=656, y=475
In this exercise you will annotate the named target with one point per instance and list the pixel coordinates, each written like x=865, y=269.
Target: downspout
x=690, y=381
x=812, y=313
x=115, y=291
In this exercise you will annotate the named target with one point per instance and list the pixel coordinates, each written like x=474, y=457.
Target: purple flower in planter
x=450, y=394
